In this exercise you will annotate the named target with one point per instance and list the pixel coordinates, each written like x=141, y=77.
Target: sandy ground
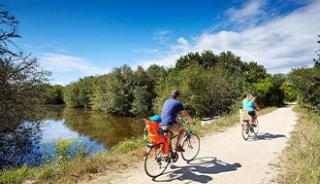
x=225, y=158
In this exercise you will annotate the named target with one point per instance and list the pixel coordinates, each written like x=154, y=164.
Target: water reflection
x=101, y=127
x=34, y=143
x=21, y=146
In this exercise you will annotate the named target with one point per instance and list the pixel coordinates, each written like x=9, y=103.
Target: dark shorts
x=252, y=113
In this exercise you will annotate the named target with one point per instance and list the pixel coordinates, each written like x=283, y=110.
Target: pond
x=35, y=143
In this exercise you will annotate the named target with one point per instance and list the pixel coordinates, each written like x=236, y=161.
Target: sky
x=77, y=38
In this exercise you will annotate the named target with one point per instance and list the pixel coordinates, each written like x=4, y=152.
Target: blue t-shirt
x=248, y=105
x=170, y=110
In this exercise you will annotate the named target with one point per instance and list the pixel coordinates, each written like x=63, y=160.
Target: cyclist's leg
x=252, y=114
x=180, y=128
x=245, y=123
x=254, y=117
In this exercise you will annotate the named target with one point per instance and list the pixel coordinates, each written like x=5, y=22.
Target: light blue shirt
x=248, y=105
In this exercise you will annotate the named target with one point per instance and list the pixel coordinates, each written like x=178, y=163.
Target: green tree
x=77, y=94
x=120, y=90
x=254, y=73
x=268, y=91
x=99, y=98
x=20, y=74
x=142, y=93
x=290, y=94
x=51, y=94
x=191, y=59
x=205, y=92
x=306, y=81
x=231, y=63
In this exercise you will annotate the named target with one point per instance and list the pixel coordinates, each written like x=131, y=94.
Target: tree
x=120, y=90
x=20, y=75
x=231, y=62
x=205, y=92
x=306, y=82
x=254, y=73
x=99, y=98
x=189, y=60
x=51, y=94
x=268, y=91
x=78, y=94
x=142, y=93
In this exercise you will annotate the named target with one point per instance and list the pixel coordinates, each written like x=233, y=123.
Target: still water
x=92, y=131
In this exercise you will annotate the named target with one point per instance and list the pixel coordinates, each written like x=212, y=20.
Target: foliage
x=254, y=73
x=51, y=94
x=120, y=90
x=77, y=94
x=63, y=149
x=290, y=94
x=268, y=91
x=19, y=76
x=99, y=93
x=306, y=81
x=205, y=92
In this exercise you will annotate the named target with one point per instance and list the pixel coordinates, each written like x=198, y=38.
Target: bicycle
x=155, y=163
x=247, y=127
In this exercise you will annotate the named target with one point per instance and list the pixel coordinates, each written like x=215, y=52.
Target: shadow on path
x=267, y=136
x=197, y=171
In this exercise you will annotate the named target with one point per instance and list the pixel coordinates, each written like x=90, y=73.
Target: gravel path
x=225, y=158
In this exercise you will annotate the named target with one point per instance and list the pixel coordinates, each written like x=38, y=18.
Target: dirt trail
x=225, y=158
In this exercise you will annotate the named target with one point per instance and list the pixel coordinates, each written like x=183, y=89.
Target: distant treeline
x=210, y=84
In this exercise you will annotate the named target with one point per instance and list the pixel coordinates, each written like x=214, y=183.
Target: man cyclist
x=171, y=108
x=249, y=103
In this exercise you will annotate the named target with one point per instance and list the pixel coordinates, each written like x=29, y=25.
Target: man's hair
x=175, y=93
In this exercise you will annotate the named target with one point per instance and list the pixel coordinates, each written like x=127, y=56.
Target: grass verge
x=83, y=168
x=300, y=161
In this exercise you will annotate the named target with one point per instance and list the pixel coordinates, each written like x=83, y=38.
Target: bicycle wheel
x=245, y=132
x=192, y=147
x=256, y=128
x=154, y=165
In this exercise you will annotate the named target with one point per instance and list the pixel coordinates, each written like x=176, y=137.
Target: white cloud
x=162, y=36
x=249, y=14
x=279, y=44
x=60, y=64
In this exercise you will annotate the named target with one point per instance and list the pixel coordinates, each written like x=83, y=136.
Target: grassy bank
x=85, y=168
x=300, y=162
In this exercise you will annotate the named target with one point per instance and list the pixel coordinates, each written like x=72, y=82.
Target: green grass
x=83, y=168
x=300, y=162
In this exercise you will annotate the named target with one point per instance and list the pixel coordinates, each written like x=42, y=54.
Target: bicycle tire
x=157, y=155
x=188, y=145
x=244, y=133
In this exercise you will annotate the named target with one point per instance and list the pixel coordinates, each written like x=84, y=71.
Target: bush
x=306, y=81
x=290, y=94
x=268, y=91
x=77, y=94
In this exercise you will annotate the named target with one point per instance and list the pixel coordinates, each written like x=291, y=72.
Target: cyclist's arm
x=187, y=116
x=256, y=104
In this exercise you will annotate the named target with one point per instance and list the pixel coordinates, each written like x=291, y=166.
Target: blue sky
x=73, y=38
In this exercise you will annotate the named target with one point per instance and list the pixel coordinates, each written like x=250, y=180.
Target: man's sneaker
x=179, y=148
